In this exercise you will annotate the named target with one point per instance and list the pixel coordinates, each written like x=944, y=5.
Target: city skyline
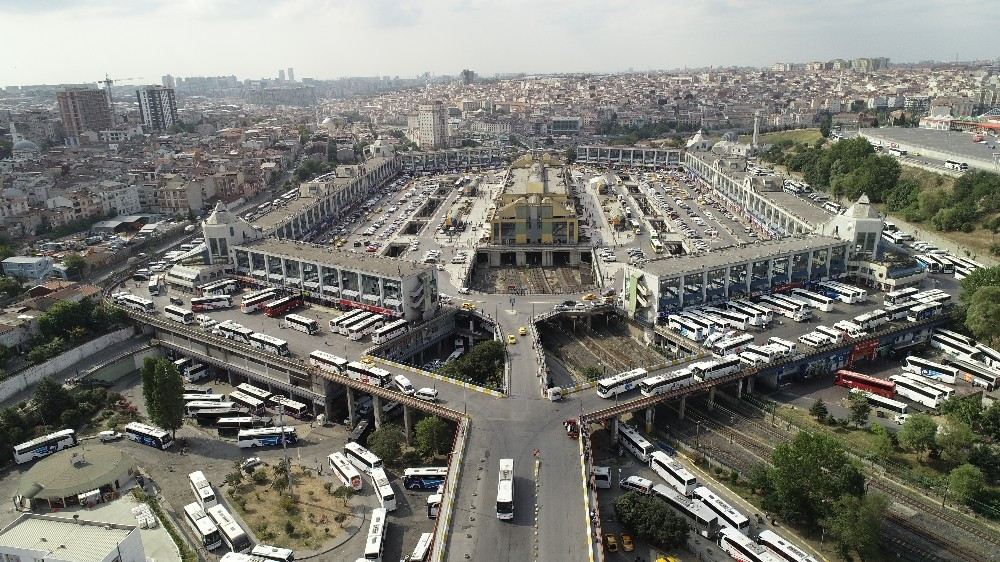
x=255, y=39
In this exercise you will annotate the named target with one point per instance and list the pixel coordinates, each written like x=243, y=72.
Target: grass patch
x=303, y=521
x=797, y=136
x=187, y=555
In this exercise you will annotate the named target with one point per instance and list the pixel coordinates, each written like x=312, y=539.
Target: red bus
x=850, y=379
x=282, y=305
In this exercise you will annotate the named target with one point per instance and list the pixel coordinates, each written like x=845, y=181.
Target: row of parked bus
x=709, y=513
x=358, y=324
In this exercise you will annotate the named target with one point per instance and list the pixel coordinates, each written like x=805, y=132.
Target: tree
x=433, y=436
x=806, y=472
x=482, y=365
x=990, y=422
x=592, y=372
x=387, y=442
x=169, y=397
x=149, y=385
x=651, y=520
x=982, y=317
x=955, y=441
x=825, y=124
x=344, y=493
x=51, y=399
x=10, y=286
x=881, y=443
x=75, y=265
x=917, y=433
x=818, y=410
x=966, y=482
x=968, y=410
x=570, y=154
x=856, y=524
x=979, y=278
x=859, y=409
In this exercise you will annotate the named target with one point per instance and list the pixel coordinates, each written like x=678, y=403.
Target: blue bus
x=429, y=478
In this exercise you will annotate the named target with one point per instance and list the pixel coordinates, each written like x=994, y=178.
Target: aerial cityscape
x=350, y=282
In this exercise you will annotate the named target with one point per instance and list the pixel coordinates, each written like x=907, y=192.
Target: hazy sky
x=56, y=41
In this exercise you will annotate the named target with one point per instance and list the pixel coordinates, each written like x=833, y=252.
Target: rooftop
x=537, y=179
x=667, y=267
x=954, y=142
x=61, y=538
x=366, y=263
x=58, y=476
x=801, y=208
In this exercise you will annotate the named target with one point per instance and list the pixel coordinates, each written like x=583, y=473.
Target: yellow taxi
x=522, y=331
x=611, y=542
x=511, y=340
x=468, y=306
x=589, y=297
x=368, y=359
x=627, y=544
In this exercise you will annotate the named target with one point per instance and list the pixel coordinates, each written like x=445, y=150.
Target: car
x=468, y=306
x=901, y=419
x=463, y=290
x=511, y=339
x=177, y=300
x=250, y=463
x=522, y=331
x=611, y=542
x=627, y=544
x=589, y=297
x=428, y=394
x=108, y=436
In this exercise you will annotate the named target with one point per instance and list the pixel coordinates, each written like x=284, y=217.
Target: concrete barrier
x=443, y=524
x=435, y=376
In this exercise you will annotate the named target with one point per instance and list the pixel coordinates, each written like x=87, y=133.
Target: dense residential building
x=157, y=108
x=83, y=110
x=432, y=131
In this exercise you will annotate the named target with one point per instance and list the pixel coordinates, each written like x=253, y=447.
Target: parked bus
x=705, y=520
x=235, y=332
x=390, y=331
x=202, y=526
x=990, y=357
x=302, y=324
x=426, y=478
x=755, y=316
x=630, y=439
x=232, y=534
x=767, y=315
x=345, y=471
x=155, y=281
x=843, y=293
x=882, y=402
x=685, y=327
x=253, y=404
x=203, y=397
x=346, y=317
x=202, y=489
x=673, y=473
x=328, y=362
x=272, y=553
x=622, y=382
x=930, y=369
x=345, y=327
x=708, y=323
x=505, y=490
x=709, y=370
x=896, y=151
x=148, y=435
x=930, y=263
x=220, y=287
x=383, y=489
x=374, y=376
x=44, y=446
x=732, y=346
x=946, y=390
x=815, y=300
x=211, y=416
x=288, y=406
x=362, y=458
x=192, y=408
x=796, y=312
x=784, y=550
x=666, y=382
x=138, y=304
x=266, y=437
x=278, y=307
x=733, y=319
x=916, y=391
x=977, y=374
x=742, y=548
x=656, y=245
x=872, y=320
x=923, y=312
x=422, y=549
x=852, y=380
x=253, y=301
x=728, y=516
x=375, y=541
x=358, y=331
x=269, y=344
x=217, y=302
x=231, y=427
x=954, y=348
x=251, y=390
x=178, y=314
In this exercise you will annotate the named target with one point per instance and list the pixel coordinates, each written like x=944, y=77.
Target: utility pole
x=284, y=447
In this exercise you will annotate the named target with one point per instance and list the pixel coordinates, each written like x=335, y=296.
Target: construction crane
x=108, y=82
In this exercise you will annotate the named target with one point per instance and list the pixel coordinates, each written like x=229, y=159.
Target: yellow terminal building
x=534, y=206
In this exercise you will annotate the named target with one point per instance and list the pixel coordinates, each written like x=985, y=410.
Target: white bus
x=673, y=473
x=505, y=490
x=154, y=285
x=328, y=362
x=255, y=300
x=872, y=320
x=202, y=489
x=178, y=314
x=755, y=316
x=251, y=390
x=685, y=327
x=923, y=312
x=44, y=446
x=917, y=392
x=706, y=522
x=375, y=541
x=709, y=370
x=288, y=406
x=781, y=548
x=746, y=306
x=798, y=313
x=622, y=382
x=232, y=534
x=666, y=382
x=367, y=374
x=218, y=302
x=149, y=435
x=337, y=322
x=138, y=304
x=345, y=327
x=707, y=322
x=732, y=318
x=896, y=151
x=269, y=344
x=192, y=408
x=815, y=300
x=976, y=373
x=814, y=340
x=956, y=336
x=833, y=335
x=788, y=345
x=345, y=471
x=241, y=398
x=900, y=296
x=843, y=293
x=930, y=369
x=268, y=552
x=742, y=548
x=390, y=331
x=220, y=287
x=357, y=332
x=728, y=515
x=266, y=437
x=953, y=347
x=990, y=356
x=732, y=346
x=302, y=324
x=202, y=526
x=422, y=549
x=945, y=390
x=635, y=443
x=235, y=332
x=203, y=397
x=956, y=165
x=881, y=402
x=793, y=300
x=383, y=489
x=362, y=458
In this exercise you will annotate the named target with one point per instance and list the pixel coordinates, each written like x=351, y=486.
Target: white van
x=601, y=476
x=637, y=484
x=403, y=384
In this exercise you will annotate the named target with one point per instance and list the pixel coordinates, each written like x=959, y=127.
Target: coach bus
x=709, y=370
x=276, y=308
x=946, y=390
x=978, y=375
x=622, y=382
x=218, y=302
x=269, y=344
x=357, y=332
x=732, y=318
x=328, y=362
x=505, y=490
x=742, y=548
x=781, y=548
x=881, y=402
x=375, y=541
x=235, y=332
x=211, y=416
x=178, y=314
x=673, y=473
x=728, y=516
x=685, y=327
x=844, y=293
x=756, y=316
x=930, y=369
x=815, y=300
x=900, y=296
x=339, y=321
x=288, y=406
x=362, y=458
x=956, y=165
x=266, y=436
x=220, y=287
x=345, y=327
x=149, y=435
x=990, y=357
x=268, y=553
x=390, y=331
x=852, y=380
x=202, y=489
x=374, y=376
x=155, y=282
x=251, y=390
x=634, y=442
x=923, y=312
x=383, y=489
x=426, y=478
x=345, y=471
x=247, y=401
x=666, y=382
x=917, y=392
x=202, y=526
x=872, y=320
x=798, y=313
x=232, y=534
x=732, y=346
x=138, y=304
x=231, y=427
x=44, y=446
x=706, y=521
x=193, y=407
x=254, y=301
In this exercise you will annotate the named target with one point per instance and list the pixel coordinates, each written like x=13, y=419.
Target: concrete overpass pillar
x=614, y=429
x=750, y=381
x=739, y=389
x=407, y=423
x=377, y=409
x=680, y=411
x=650, y=416
x=350, y=406
x=711, y=398
x=231, y=377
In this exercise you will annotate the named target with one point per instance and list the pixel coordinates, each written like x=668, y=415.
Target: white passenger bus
x=930, y=369
x=362, y=458
x=843, y=293
x=505, y=490
x=923, y=312
x=900, y=296
x=872, y=320
x=288, y=406
x=622, y=382
x=44, y=446
x=154, y=285
x=990, y=356
x=138, y=304
x=302, y=324
x=254, y=404
x=881, y=402
x=178, y=314
x=732, y=346
x=268, y=552
x=357, y=332
x=706, y=521
x=367, y=374
x=798, y=313
x=251, y=390
x=422, y=549
x=339, y=321
x=815, y=300
x=269, y=344
x=202, y=526
x=219, y=302
x=666, y=382
x=266, y=437
x=220, y=287
x=742, y=547
x=956, y=165
x=709, y=370
x=232, y=534
x=375, y=541
x=345, y=327
x=235, y=332
x=383, y=489
x=732, y=318
x=631, y=440
x=767, y=315
x=781, y=548
x=945, y=390
x=202, y=489
x=673, y=473
x=328, y=362
x=685, y=327
x=148, y=435
x=917, y=392
x=253, y=301
x=390, y=331
x=345, y=471
x=728, y=515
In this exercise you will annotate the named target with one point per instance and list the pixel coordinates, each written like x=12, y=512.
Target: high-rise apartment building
x=281, y=75
x=82, y=110
x=157, y=107
x=291, y=74
x=168, y=81
x=432, y=119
